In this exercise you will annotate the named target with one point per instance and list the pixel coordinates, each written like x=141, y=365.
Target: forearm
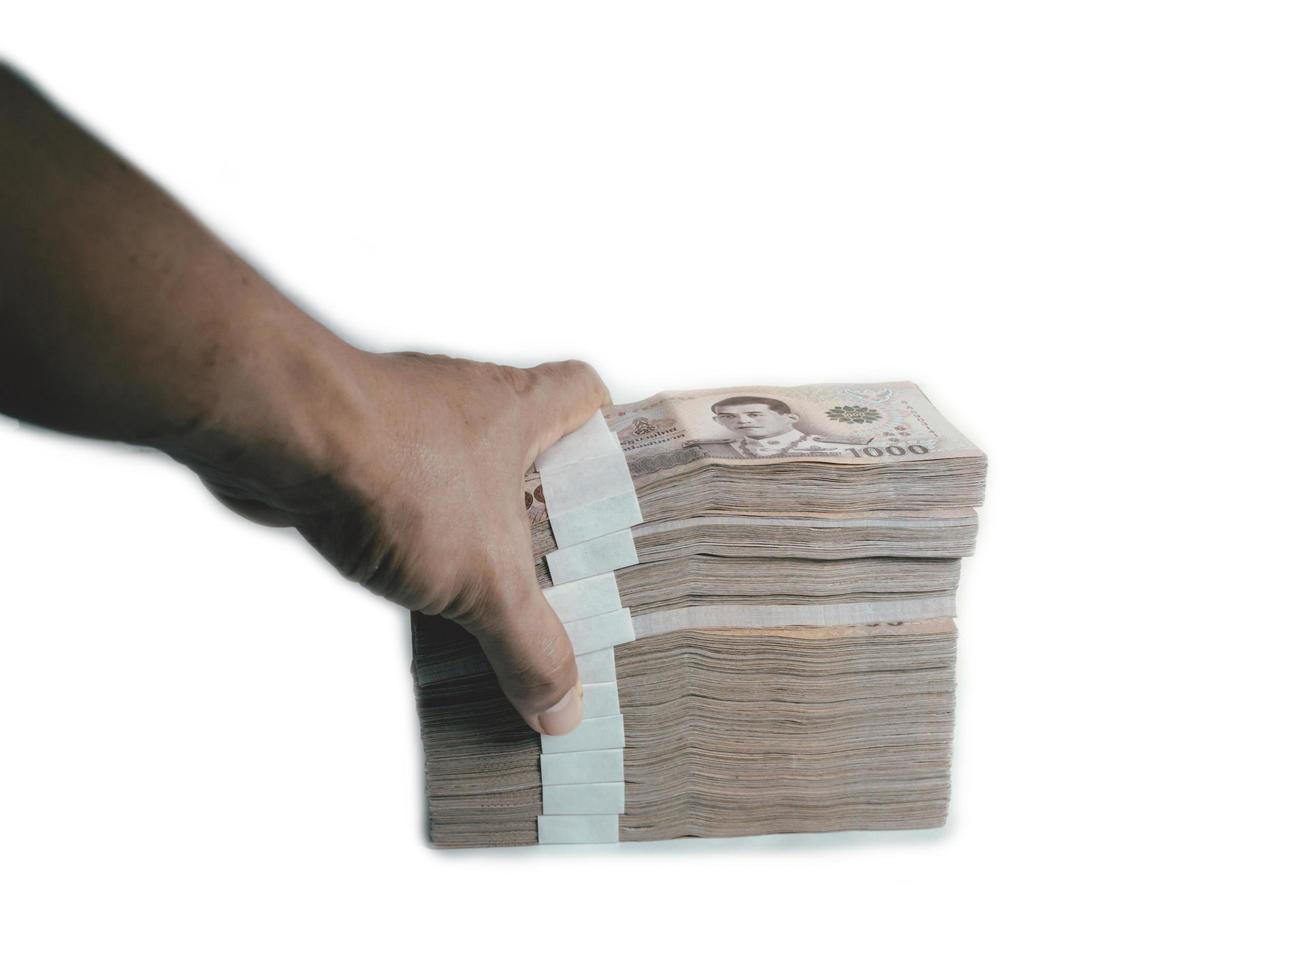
x=122, y=317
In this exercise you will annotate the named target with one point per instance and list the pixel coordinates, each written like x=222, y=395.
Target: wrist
x=283, y=407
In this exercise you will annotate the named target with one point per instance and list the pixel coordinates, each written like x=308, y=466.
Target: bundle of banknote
x=759, y=585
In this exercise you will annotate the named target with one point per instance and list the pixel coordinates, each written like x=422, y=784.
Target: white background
x=1078, y=226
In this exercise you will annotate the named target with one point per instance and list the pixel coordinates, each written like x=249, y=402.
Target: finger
x=526, y=645
x=560, y=397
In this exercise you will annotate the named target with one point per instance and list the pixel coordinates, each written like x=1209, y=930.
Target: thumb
x=526, y=645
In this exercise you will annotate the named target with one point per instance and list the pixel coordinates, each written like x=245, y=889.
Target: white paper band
x=590, y=734
x=581, y=798
x=598, y=667
x=605, y=553
x=597, y=632
x=592, y=507
x=589, y=829
x=594, y=438
x=579, y=485
x=585, y=597
x=601, y=517
x=587, y=486
x=599, y=766
x=601, y=700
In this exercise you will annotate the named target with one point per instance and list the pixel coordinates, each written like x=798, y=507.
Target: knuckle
x=580, y=374
x=518, y=380
x=585, y=371
x=581, y=368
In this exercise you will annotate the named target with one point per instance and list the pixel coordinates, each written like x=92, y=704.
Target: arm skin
x=121, y=317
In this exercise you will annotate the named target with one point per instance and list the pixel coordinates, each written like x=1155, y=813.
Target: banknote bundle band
x=587, y=484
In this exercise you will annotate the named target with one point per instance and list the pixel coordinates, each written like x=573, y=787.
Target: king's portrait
x=765, y=427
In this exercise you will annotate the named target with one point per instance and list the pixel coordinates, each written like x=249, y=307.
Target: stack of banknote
x=759, y=585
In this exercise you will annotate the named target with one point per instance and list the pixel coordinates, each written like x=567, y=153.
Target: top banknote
x=841, y=450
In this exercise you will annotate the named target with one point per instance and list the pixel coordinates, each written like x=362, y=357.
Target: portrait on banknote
x=843, y=423
x=765, y=427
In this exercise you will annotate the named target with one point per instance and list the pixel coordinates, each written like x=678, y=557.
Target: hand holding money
x=421, y=502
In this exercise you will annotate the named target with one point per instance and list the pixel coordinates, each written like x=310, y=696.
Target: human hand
x=416, y=492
